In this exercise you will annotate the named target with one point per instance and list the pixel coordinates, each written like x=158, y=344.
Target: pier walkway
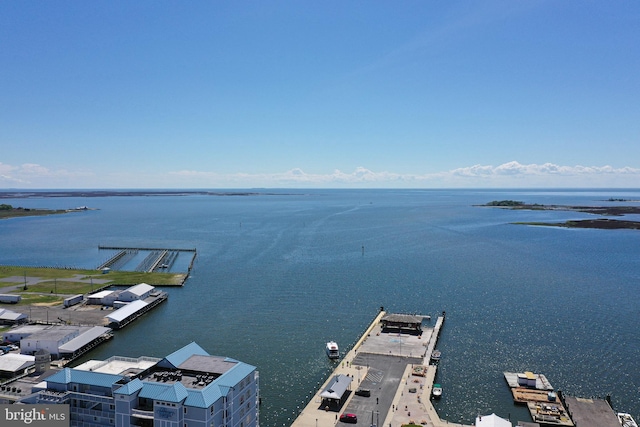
x=382, y=363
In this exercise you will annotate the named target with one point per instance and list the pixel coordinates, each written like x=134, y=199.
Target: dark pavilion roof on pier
x=402, y=318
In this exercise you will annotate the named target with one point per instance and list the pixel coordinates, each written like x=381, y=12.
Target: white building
x=12, y=364
x=8, y=317
x=137, y=292
x=103, y=298
x=50, y=339
x=492, y=421
x=58, y=341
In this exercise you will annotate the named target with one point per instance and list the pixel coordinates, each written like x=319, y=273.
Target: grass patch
x=21, y=212
x=39, y=299
x=62, y=287
x=55, y=277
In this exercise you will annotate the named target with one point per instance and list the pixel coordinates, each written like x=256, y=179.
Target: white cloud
x=32, y=175
x=508, y=175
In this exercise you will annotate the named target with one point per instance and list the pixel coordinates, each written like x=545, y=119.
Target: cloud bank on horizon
x=507, y=175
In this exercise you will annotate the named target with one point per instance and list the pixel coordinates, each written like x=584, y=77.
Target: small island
x=8, y=211
x=603, y=223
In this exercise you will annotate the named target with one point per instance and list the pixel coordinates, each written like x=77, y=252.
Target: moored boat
x=332, y=350
x=436, y=391
x=626, y=420
x=435, y=356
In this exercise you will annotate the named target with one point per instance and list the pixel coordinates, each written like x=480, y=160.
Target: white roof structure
x=118, y=365
x=12, y=316
x=83, y=339
x=140, y=289
x=16, y=362
x=492, y=421
x=100, y=294
x=336, y=387
x=122, y=313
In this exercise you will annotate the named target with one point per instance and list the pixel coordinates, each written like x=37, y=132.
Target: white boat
x=626, y=420
x=332, y=350
x=436, y=391
x=435, y=356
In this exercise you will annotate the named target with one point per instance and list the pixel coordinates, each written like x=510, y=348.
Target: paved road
x=383, y=379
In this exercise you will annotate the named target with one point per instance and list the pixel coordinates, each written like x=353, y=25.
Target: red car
x=349, y=418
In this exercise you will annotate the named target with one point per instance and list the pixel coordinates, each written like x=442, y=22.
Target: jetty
x=391, y=377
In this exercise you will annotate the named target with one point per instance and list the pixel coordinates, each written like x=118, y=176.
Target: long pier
x=153, y=303
x=390, y=359
x=159, y=259
x=122, y=248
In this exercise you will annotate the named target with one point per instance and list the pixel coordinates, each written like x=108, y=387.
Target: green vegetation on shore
x=508, y=203
x=603, y=223
x=8, y=211
x=79, y=281
x=32, y=298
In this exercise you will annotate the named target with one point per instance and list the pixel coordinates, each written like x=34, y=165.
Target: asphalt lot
x=383, y=379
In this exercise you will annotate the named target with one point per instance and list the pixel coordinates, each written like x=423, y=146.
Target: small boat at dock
x=437, y=391
x=332, y=350
x=626, y=420
x=435, y=356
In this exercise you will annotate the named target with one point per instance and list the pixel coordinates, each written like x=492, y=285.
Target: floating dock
x=528, y=379
x=535, y=391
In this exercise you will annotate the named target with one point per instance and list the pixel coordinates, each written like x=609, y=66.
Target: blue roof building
x=188, y=388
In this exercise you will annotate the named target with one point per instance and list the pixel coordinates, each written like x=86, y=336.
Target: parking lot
x=383, y=379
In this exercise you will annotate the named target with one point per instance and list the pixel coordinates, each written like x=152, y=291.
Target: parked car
x=363, y=392
x=349, y=418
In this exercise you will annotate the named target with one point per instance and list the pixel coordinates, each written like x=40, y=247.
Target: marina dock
x=535, y=391
x=393, y=366
x=157, y=260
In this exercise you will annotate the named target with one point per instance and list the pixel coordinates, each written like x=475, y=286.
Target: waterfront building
x=105, y=297
x=61, y=342
x=9, y=317
x=12, y=364
x=188, y=388
x=137, y=292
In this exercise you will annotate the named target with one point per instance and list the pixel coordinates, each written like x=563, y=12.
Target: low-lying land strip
x=602, y=223
x=8, y=211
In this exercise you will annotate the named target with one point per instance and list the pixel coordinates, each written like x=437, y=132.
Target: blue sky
x=409, y=94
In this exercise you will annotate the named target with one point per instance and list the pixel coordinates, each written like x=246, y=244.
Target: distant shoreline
x=603, y=223
x=120, y=193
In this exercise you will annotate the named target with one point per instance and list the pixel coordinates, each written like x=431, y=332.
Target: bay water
x=279, y=273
